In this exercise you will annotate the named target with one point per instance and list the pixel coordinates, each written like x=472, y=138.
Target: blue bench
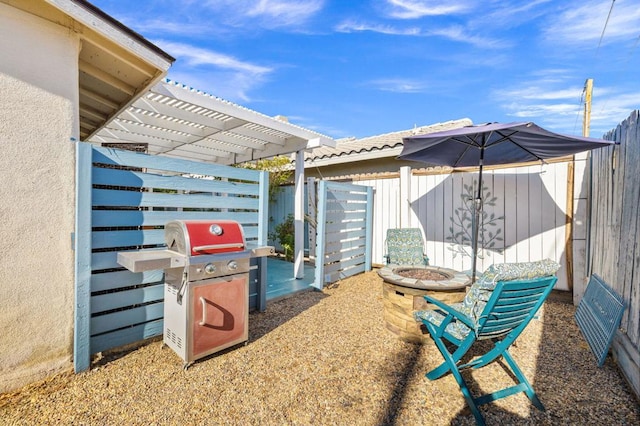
x=598, y=316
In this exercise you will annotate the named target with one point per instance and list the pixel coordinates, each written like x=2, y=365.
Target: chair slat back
x=405, y=246
x=598, y=316
x=512, y=305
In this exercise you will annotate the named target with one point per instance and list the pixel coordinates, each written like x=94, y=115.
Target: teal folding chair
x=509, y=308
x=405, y=246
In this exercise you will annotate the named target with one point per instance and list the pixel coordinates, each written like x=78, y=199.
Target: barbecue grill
x=206, y=292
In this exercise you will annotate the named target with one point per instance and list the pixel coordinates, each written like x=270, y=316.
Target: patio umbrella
x=492, y=144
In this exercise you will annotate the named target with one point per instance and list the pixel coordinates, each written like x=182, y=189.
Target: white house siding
x=38, y=118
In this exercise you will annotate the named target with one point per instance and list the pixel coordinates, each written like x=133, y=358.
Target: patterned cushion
x=455, y=328
x=480, y=292
x=405, y=247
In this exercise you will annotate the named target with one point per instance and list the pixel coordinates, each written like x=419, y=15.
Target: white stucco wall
x=38, y=118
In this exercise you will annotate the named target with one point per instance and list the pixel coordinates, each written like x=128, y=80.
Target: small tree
x=280, y=171
x=284, y=234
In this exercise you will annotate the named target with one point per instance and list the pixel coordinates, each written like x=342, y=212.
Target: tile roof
x=384, y=143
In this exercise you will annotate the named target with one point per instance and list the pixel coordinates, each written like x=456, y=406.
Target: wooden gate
x=343, y=245
x=123, y=200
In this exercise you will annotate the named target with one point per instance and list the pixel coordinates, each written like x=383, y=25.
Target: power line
x=633, y=48
x=613, y=2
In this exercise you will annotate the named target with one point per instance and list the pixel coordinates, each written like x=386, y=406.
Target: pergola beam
x=176, y=121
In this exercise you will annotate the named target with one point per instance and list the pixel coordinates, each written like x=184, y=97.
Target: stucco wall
x=38, y=118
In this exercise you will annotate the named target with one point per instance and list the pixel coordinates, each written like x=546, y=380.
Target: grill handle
x=219, y=246
x=203, y=321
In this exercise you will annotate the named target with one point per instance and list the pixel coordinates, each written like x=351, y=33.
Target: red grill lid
x=196, y=237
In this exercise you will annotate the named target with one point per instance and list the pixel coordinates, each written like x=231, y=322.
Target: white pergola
x=174, y=120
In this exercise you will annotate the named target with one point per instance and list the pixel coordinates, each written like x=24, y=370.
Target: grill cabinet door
x=220, y=310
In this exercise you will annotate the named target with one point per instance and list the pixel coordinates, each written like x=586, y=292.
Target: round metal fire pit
x=403, y=291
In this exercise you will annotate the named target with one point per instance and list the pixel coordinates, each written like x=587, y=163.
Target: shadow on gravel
x=260, y=323
x=111, y=355
x=281, y=311
x=401, y=371
x=566, y=379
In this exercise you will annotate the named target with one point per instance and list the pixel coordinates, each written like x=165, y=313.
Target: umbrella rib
x=470, y=143
x=506, y=138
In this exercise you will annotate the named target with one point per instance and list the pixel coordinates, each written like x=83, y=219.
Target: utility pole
x=582, y=203
x=586, y=122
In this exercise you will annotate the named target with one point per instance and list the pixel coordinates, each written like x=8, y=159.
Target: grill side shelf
x=260, y=251
x=148, y=260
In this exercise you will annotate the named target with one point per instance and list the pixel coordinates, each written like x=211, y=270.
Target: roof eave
x=94, y=18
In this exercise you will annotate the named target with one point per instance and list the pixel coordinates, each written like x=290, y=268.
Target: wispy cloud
x=508, y=14
x=196, y=56
x=614, y=107
x=199, y=19
x=399, y=85
x=462, y=35
x=313, y=124
x=553, y=101
x=215, y=72
x=542, y=93
x=352, y=26
x=560, y=104
x=266, y=13
x=414, y=9
x=583, y=22
x=283, y=12
x=454, y=33
x=172, y=26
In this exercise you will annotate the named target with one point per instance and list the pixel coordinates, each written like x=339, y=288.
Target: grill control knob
x=232, y=265
x=210, y=268
x=216, y=229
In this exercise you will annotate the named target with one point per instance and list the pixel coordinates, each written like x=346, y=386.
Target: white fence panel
x=386, y=193
x=525, y=215
x=525, y=212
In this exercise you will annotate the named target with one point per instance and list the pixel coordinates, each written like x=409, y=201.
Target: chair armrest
x=459, y=316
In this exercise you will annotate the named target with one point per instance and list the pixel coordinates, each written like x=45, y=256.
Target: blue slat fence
x=344, y=217
x=123, y=200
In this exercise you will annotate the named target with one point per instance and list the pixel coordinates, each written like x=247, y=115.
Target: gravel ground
x=325, y=358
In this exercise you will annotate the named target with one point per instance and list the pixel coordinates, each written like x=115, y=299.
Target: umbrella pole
x=477, y=204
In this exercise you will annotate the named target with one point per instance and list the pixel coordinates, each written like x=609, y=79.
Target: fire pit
x=403, y=290
x=421, y=275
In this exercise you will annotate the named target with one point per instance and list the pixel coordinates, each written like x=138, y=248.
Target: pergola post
x=298, y=217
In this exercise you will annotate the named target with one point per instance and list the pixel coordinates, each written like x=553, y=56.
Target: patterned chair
x=405, y=247
x=497, y=307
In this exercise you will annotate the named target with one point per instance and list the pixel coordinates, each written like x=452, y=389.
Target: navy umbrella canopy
x=493, y=144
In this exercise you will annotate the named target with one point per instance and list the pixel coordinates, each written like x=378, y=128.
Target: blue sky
x=361, y=68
